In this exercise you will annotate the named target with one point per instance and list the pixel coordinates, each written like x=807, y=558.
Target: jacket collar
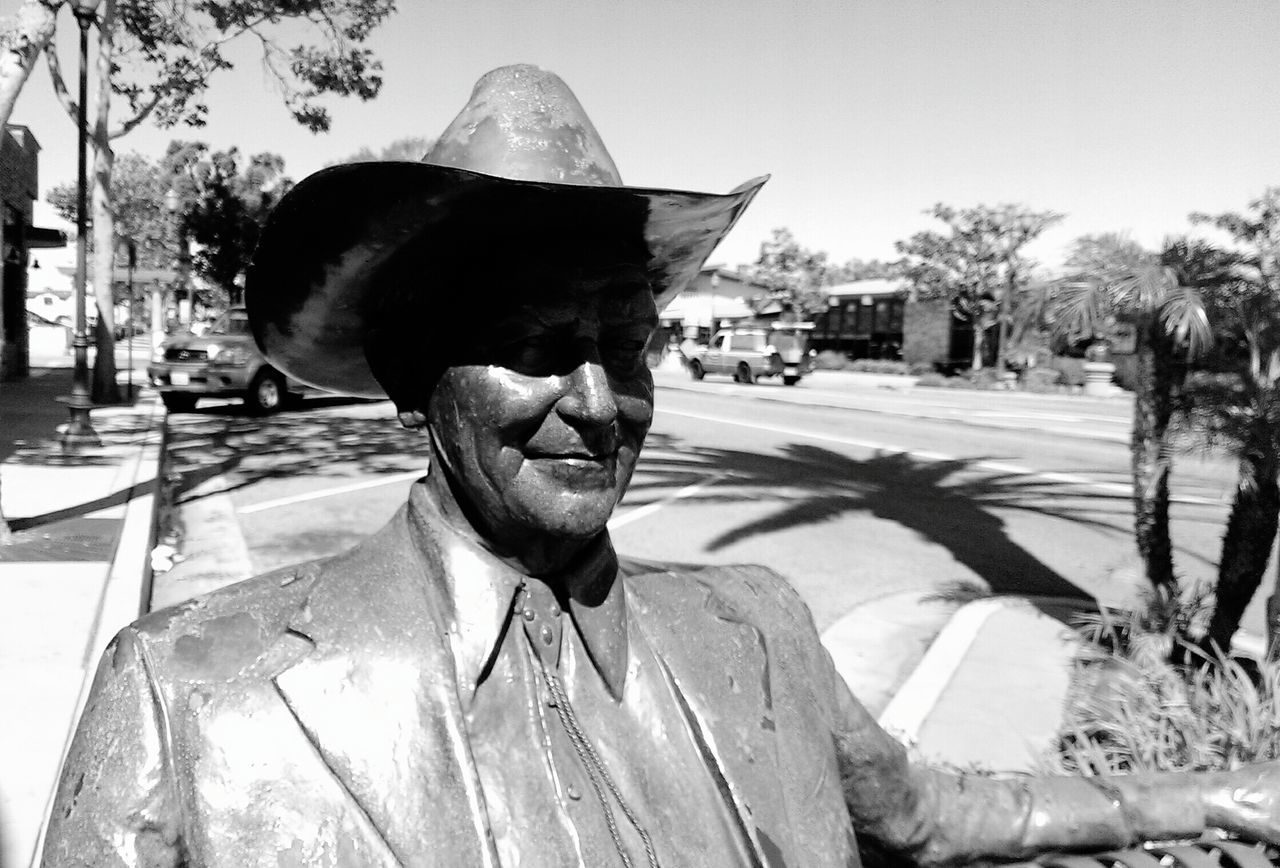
x=481, y=591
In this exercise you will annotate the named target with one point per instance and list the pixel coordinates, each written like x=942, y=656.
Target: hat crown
x=523, y=123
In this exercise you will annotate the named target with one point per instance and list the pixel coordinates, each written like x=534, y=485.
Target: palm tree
x=1246, y=414
x=1115, y=280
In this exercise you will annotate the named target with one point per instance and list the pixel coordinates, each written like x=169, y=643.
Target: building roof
x=704, y=310
x=873, y=287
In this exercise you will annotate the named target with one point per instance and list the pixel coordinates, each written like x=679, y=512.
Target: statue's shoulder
x=757, y=593
x=227, y=632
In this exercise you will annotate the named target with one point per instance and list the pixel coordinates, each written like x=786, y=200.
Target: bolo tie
x=601, y=781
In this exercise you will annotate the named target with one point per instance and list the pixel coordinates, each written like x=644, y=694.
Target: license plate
x=790, y=369
x=180, y=378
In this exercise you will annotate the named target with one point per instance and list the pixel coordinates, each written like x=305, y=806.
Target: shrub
x=1132, y=710
x=1041, y=379
x=932, y=380
x=879, y=366
x=830, y=360
x=1072, y=369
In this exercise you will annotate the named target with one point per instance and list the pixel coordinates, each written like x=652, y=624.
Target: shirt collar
x=483, y=589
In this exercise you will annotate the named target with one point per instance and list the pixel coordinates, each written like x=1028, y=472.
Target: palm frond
x=1184, y=318
x=1080, y=309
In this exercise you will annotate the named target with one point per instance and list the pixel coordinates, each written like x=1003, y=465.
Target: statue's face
x=543, y=439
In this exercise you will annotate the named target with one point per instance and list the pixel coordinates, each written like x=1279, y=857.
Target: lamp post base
x=78, y=433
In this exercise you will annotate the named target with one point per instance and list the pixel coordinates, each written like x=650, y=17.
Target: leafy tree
x=409, y=148
x=1114, y=279
x=977, y=265
x=138, y=186
x=168, y=54
x=793, y=274
x=223, y=207
x=869, y=269
x=1245, y=411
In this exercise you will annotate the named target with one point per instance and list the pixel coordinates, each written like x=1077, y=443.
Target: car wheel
x=695, y=370
x=744, y=374
x=178, y=402
x=266, y=392
x=790, y=380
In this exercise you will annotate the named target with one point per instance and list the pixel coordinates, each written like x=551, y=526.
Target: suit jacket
x=311, y=717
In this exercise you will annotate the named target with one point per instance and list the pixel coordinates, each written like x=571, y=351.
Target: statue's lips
x=583, y=469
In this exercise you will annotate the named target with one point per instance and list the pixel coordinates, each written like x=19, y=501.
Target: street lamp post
x=79, y=431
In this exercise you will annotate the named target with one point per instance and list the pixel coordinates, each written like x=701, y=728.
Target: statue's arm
x=937, y=817
x=116, y=804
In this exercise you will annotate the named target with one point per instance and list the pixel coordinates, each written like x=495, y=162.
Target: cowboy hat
x=520, y=166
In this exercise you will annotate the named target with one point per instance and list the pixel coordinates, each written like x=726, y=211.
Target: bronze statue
x=480, y=683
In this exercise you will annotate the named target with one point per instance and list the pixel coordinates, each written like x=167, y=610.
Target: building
x=717, y=296
x=19, y=187
x=864, y=319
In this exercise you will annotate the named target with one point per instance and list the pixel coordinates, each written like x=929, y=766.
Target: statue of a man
x=480, y=683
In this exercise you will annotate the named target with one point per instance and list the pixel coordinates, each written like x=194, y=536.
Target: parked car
x=224, y=361
x=748, y=352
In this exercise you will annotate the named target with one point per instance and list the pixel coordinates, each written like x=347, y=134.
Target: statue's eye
x=534, y=354
x=622, y=354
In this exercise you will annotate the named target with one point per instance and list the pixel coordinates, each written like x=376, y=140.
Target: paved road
x=852, y=492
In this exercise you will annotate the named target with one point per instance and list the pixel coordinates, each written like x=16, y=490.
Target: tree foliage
x=977, y=264
x=161, y=57
x=793, y=274
x=138, y=186
x=224, y=201
x=170, y=52
x=409, y=148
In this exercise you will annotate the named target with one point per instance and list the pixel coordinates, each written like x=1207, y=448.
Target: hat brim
x=318, y=261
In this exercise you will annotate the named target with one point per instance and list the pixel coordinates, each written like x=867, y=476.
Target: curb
x=991, y=689
x=128, y=584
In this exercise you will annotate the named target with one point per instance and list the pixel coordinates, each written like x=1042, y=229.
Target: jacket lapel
x=378, y=698
x=729, y=704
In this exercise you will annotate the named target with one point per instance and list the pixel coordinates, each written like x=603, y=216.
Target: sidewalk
x=75, y=574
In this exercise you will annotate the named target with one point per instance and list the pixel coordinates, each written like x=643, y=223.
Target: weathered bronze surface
x=481, y=684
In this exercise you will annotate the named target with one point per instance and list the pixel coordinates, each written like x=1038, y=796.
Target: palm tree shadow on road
x=947, y=503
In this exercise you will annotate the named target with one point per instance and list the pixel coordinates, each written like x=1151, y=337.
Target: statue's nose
x=588, y=396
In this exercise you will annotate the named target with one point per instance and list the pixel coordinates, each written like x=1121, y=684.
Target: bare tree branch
x=138, y=118
x=59, y=85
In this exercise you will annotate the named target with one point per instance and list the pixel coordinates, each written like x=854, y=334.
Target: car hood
x=203, y=342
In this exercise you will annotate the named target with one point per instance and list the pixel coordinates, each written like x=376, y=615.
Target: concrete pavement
x=75, y=573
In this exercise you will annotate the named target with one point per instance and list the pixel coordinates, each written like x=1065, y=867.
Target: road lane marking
x=264, y=505
x=650, y=508
x=909, y=708
x=926, y=455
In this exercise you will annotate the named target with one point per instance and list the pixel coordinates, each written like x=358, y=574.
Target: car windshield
x=234, y=322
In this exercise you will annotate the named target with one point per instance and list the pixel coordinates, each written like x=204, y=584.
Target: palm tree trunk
x=1251, y=530
x=1152, y=410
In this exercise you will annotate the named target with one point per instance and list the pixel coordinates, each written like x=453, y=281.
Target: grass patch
x=1133, y=710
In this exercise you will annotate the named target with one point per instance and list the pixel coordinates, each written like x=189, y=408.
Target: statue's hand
x=1246, y=801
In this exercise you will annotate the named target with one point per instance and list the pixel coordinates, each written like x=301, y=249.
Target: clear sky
x=1124, y=115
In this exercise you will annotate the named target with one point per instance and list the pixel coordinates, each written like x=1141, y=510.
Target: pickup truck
x=750, y=352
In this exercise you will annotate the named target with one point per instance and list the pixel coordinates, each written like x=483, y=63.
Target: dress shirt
x=542, y=804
